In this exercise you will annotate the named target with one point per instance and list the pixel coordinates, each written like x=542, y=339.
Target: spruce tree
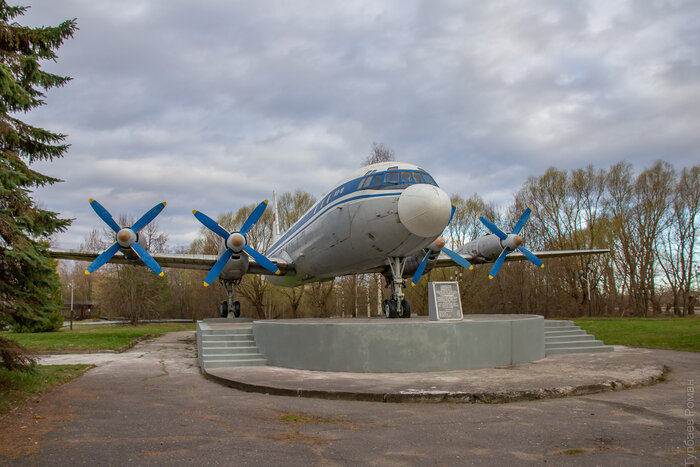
x=29, y=286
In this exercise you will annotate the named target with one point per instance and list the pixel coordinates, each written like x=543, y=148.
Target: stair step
x=226, y=332
x=229, y=350
x=572, y=344
x=556, y=323
x=249, y=356
x=568, y=350
x=234, y=363
x=235, y=338
x=572, y=332
x=578, y=338
x=227, y=344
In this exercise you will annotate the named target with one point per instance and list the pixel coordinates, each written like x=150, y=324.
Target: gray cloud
x=215, y=105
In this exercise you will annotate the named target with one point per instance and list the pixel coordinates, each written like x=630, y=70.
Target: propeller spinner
x=511, y=242
x=235, y=242
x=126, y=237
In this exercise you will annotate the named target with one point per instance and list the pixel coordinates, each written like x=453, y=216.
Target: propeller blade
x=253, y=218
x=218, y=267
x=533, y=259
x=421, y=268
x=211, y=224
x=261, y=260
x=452, y=214
x=148, y=217
x=522, y=221
x=147, y=258
x=102, y=259
x=104, y=215
x=457, y=258
x=492, y=227
x=499, y=262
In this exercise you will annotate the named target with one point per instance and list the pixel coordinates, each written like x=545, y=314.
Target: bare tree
x=380, y=152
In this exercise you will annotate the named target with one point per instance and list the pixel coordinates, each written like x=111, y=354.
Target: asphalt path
x=151, y=406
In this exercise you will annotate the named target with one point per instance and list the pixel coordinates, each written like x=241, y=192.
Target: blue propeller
x=510, y=242
x=235, y=242
x=457, y=258
x=126, y=237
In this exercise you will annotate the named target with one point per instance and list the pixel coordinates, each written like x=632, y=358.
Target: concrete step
x=251, y=356
x=229, y=350
x=572, y=332
x=237, y=338
x=232, y=363
x=226, y=332
x=568, y=350
x=217, y=343
x=582, y=338
x=556, y=323
x=572, y=344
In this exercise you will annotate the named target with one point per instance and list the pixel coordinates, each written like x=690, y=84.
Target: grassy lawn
x=97, y=337
x=651, y=333
x=17, y=386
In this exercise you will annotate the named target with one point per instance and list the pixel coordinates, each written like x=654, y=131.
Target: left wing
x=182, y=261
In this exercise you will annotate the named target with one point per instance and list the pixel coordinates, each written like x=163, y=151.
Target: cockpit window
x=418, y=177
x=428, y=179
x=391, y=178
x=376, y=179
x=364, y=182
x=406, y=177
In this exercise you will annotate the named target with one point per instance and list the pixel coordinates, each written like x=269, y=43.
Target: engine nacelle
x=236, y=267
x=483, y=250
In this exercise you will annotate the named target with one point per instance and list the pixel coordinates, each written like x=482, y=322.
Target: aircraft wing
x=445, y=261
x=168, y=260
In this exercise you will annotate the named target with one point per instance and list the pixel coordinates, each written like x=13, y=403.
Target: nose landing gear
x=397, y=305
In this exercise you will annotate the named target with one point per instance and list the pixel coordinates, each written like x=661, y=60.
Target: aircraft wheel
x=224, y=309
x=236, y=309
x=406, y=307
x=389, y=307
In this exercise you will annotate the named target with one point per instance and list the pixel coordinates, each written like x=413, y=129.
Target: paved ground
x=150, y=406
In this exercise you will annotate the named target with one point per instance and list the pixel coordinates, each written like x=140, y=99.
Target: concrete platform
x=552, y=377
x=400, y=345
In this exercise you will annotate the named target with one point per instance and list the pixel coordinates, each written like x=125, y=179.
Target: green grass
x=651, y=333
x=18, y=386
x=97, y=337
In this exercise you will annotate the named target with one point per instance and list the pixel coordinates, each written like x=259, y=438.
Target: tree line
x=648, y=221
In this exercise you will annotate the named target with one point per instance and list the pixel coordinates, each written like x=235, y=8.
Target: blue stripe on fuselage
x=324, y=206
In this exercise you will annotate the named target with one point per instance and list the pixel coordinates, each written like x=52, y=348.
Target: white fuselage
x=384, y=210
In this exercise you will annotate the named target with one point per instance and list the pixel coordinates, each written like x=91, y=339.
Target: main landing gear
x=397, y=305
x=230, y=306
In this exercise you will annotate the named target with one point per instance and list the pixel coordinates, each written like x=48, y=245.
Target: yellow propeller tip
x=265, y=201
x=164, y=203
x=194, y=211
x=541, y=267
x=205, y=284
x=278, y=272
x=490, y=277
x=87, y=273
x=471, y=267
x=454, y=204
x=91, y=200
x=478, y=216
x=161, y=274
x=530, y=207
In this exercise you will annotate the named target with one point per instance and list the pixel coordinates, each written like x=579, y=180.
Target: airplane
x=384, y=218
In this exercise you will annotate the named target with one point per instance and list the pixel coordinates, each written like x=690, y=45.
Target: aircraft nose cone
x=424, y=210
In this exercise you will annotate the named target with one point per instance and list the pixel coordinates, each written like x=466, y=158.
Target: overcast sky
x=211, y=105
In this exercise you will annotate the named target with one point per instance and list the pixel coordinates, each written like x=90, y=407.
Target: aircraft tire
x=389, y=307
x=236, y=309
x=406, y=307
x=224, y=309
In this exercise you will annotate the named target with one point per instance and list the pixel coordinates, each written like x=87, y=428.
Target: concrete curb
x=277, y=387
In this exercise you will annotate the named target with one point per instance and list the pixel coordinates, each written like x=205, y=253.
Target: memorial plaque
x=444, y=302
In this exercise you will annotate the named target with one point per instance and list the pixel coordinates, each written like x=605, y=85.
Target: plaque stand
x=444, y=302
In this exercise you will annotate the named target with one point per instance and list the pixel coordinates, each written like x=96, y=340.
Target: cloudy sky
x=211, y=105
